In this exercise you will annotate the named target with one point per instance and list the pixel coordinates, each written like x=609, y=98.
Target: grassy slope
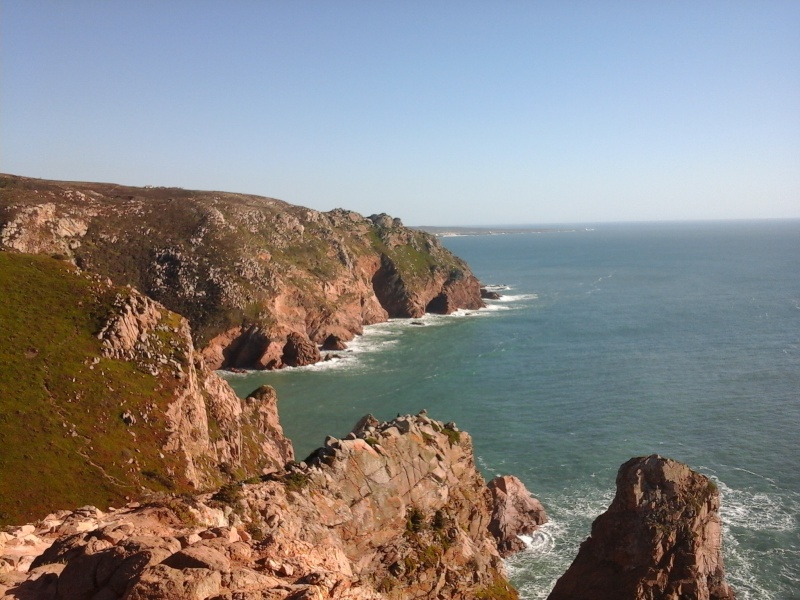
x=62, y=440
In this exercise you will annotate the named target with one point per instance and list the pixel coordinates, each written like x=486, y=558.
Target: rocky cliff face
x=103, y=397
x=248, y=272
x=394, y=510
x=659, y=539
x=247, y=437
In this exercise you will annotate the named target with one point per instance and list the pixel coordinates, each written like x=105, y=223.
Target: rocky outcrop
x=394, y=510
x=247, y=436
x=659, y=539
x=333, y=342
x=109, y=400
x=256, y=277
x=299, y=351
x=514, y=513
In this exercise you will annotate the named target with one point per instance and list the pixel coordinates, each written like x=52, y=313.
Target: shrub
x=415, y=520
x=229, y=494
x=296, y=481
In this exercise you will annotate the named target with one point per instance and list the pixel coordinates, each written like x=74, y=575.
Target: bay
x=610, y=341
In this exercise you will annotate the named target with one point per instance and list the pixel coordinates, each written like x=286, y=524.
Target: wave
x=516, y=298
x=766, y=515
x=497, y=287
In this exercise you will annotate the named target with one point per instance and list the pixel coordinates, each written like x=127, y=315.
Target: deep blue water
x=610, y=342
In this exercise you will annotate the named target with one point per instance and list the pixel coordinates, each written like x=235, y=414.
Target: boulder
x=300, y=351
x=659, y=539
x=515, y=512
x=334, y=342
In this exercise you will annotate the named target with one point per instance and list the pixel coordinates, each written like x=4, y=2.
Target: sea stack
x=660, y=539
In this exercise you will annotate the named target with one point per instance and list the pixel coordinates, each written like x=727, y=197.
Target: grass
x=296, y=482
x=453, y=436
x=63, y=441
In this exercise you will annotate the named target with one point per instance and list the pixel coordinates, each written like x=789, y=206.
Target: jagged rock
x=489, y=294
x=659, y=539
x=404, y=515
x=515, y=512
x=132, y=334
x=138, y=408
x=300, y=351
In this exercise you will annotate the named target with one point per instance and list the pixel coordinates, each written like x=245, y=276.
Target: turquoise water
x=610, y=342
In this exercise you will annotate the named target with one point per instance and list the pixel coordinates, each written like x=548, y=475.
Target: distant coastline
x=462, y=231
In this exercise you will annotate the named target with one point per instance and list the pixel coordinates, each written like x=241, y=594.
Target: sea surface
x=610, y=341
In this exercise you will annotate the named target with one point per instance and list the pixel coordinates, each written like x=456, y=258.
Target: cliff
x=394, y=510
x=103, y=397
x=262, y=282
x=660, y=539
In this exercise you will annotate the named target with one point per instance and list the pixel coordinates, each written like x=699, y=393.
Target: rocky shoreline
x=394, y=510
x=261, y=282
x=121, y=302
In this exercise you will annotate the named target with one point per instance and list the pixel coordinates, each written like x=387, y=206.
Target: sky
x=440, y=112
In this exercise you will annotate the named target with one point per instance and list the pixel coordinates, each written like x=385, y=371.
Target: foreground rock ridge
x=262, y=282
x=394, y=510
x=660, y=539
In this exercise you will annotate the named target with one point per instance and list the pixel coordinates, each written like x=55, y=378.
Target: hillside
x=103, y=398
x=261, y=281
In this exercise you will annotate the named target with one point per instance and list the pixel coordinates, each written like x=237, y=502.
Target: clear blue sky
x=440, y=112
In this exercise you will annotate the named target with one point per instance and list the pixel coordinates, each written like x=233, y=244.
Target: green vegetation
x=415, y=520
x=229, y=494
x=453, y=436
x=500, y=589
x=64, y=443
x=296, y=481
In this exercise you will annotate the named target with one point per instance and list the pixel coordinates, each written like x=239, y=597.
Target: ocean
x=609, y=341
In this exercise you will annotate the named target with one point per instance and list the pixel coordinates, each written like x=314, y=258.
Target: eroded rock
x=515, y=512
x=659, y=539
x=395, y=510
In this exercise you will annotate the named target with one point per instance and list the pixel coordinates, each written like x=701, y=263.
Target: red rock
x=515, y=512
x=659, y=539
x=300, y=351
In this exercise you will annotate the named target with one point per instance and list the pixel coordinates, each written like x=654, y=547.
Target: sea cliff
x=261, y=281
x=118, y=304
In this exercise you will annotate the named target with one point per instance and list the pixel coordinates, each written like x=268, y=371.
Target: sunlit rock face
x=660, y=539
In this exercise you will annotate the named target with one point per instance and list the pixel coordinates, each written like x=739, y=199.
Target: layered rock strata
x=394, y=510
x=660, y=539
x=259, y=279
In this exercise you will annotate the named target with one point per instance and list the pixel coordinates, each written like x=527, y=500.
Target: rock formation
x=660, y=539
x=394, y=510
x=248, y=437
x=110, y=400
x=257, y=278
x=514, y=513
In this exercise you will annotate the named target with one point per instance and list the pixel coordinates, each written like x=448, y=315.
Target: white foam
x=497, y=287
x=543, y=540
x=760, y=511
x=516, y=298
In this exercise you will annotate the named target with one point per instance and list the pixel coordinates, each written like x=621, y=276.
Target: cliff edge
x=262, y=282
x=395, y=510
x=103, y=397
